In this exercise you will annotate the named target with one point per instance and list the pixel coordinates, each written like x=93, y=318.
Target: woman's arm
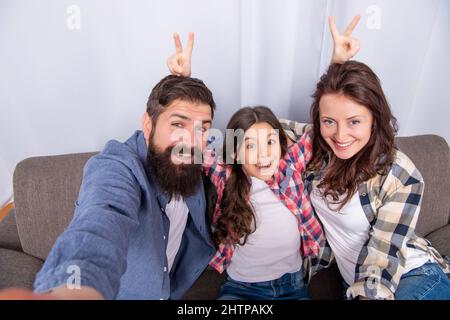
x=293, y=129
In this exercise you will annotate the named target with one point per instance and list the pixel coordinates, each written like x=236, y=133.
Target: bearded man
x=140, y=229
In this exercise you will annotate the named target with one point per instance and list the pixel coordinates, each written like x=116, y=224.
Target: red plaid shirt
x=287, y=185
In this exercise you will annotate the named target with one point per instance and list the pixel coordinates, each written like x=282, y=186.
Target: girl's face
x=345, y=125
x=260, y=151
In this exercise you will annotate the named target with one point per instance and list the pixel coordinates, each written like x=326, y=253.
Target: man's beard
x=175, y=180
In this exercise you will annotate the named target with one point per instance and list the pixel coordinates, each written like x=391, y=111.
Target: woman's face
x=345, y=125
x=260, y=151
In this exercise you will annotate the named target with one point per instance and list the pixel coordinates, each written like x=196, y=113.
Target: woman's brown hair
x=358, y=82
x=237, y=219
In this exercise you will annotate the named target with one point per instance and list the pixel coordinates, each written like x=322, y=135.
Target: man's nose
x=185, y=136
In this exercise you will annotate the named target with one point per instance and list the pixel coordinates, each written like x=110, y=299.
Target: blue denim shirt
x=118, y=236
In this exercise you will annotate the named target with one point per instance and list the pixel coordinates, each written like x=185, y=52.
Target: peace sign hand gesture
x=345, y=46
x=180, y=63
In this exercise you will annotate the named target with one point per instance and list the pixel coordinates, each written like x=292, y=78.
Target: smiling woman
x=345, y=125
x=367, y=193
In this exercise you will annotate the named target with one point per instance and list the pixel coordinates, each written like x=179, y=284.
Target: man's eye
x=202, y=129
x=177, y=124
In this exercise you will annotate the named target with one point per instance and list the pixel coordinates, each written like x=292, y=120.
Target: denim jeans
x=289, y=287
x=427, y=282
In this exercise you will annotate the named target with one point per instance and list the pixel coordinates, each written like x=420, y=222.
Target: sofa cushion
x=17, y=269
x=440, y=239
x=45, y=191
x=206, y=287
x=9, y=237
x=327, y=284
x=431, y=155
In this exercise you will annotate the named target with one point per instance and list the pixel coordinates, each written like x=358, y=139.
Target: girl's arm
x=300, y=146
x=301, y=151
x=179, y=63
x=214, y=167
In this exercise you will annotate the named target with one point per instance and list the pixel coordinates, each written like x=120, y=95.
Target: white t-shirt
x=348, y=230
x=273, y=249
x=177, y=212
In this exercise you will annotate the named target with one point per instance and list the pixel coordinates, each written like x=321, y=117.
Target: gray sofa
x=45, y=189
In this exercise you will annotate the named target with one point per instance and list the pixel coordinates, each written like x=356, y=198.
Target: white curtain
x=74, y=74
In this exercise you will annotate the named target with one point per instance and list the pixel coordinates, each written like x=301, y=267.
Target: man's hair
x=172, y=88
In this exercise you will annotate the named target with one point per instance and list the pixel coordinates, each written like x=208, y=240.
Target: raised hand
x=180, y=63
x=345, y=46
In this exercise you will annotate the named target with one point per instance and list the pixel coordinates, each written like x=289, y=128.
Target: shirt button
x=164, y=237
x=165, y=269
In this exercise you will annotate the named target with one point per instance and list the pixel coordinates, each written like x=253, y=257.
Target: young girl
x=366, y=193
x=263, y=223
x=268, y=239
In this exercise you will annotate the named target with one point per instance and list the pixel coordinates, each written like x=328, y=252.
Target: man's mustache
x=195, y=153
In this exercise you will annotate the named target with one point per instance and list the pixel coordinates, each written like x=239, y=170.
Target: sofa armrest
x=9, y=236
x=17, y=269
x=440, y=240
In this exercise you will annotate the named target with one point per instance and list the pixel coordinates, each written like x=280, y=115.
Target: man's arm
x=89, y=258
x=92, y=251
x=60, y=293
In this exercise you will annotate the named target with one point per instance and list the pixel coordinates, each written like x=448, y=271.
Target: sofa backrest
x=431, y=155
x=45, y=191
x=46, y=188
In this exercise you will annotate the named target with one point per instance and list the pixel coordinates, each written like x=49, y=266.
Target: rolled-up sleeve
x=94, y=246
